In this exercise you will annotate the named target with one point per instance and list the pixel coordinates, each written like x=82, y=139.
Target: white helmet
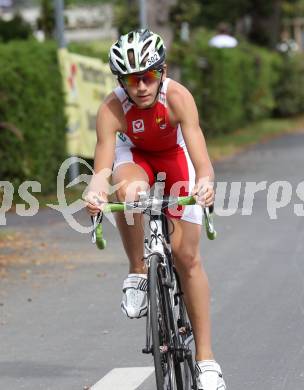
x=137, y=51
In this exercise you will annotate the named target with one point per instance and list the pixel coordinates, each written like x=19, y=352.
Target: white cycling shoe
x=209, y=375
x=134, y=300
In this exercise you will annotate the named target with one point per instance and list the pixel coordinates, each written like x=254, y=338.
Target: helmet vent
x=144, y=34
x=131, y=37
x=131, y=58
x=145, y=47
x=161, y=51
x=122, y=66
x=145, y=60
x=117, y=52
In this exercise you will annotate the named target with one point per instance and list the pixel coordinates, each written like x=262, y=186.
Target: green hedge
x=231, y=86
x=289, y=90
x=32, y=102
x=99, y=49
x=16, y=28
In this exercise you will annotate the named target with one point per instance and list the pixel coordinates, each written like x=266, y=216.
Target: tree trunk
x=266, y=25
x=275, y=24
x=158, y=19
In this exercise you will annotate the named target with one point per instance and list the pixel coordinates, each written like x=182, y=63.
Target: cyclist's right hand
x=95, y=202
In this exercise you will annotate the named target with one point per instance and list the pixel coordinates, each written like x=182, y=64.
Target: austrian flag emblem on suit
x=138, y=126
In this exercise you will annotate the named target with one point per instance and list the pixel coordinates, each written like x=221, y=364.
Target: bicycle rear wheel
x=168, y=373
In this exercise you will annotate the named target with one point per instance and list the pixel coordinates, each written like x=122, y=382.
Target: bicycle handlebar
x=148, y=204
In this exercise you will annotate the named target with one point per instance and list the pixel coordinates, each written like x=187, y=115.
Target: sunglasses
x=132, y=80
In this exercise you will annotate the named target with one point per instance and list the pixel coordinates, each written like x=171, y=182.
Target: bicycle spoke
x=171, y=331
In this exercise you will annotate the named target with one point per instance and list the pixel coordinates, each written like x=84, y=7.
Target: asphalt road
x=60, y=321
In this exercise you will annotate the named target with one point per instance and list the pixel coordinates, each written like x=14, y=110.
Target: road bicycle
x=169, y=336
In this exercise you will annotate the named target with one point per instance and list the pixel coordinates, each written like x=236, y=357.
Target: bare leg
x=194, y=281
x=132, y=235
x=185, y=245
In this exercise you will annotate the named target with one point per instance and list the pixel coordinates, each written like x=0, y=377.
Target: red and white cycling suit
x=154, y=144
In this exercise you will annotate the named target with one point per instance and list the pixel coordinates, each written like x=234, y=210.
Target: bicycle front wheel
x=168, y=373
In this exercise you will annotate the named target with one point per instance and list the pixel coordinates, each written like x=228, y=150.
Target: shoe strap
x=206, y=365
x=136, y=282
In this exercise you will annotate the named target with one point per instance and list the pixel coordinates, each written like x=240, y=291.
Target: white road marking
x=128, y=378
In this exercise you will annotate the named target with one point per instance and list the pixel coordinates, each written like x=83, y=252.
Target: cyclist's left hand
x=203, y=193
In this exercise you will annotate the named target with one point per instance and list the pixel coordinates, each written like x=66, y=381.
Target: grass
x=4, y=234
x=229, y=144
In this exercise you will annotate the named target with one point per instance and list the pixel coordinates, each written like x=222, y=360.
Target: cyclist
x=150, y=124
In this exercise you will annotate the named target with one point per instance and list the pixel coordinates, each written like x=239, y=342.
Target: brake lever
x=211, y=233
x=96, y=220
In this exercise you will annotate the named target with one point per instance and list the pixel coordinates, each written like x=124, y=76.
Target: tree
x=266, y=22
x=126, y=15
x=293, y=8
x=46, y=22
x=265, y=16
x=158, y=17
x=16, y=28
x=182, y=12
x=216, y=11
